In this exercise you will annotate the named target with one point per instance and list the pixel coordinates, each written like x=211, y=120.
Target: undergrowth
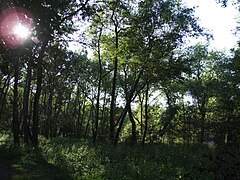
x=68, y=158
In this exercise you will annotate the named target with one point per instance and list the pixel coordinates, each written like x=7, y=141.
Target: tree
x=198, y=85
x=47, y=27
x=161, y=27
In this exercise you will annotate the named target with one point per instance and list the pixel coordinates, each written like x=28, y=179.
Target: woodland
x=135, y=101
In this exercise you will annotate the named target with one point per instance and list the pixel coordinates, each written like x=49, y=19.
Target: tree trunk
x=4, y=95
x=120, y=126
x=113, y=93
x=78, y=120
x=127, y=108
x=99, y=88
x=146, y=116
x=170, y=113
x=82, y=119
x=202, y=120
x=141, y=113
x=15, y=121
x=89, y=120
x=56, y=114
x=44, y=129
x=104, y=105
x=49, y=113
x=26, y=116
x=37, y=95
x=134, y=134
x=5, y=85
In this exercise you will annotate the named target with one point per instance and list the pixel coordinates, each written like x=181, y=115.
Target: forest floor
x=67, y=158
x=16, y=163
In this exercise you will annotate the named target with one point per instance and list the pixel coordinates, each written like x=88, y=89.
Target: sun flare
x=21, y=31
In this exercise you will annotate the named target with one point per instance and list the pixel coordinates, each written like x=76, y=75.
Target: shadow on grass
x=28, y=163
x=66, y=158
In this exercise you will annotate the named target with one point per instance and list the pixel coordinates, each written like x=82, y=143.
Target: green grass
x=26, y=163
x=65, y=158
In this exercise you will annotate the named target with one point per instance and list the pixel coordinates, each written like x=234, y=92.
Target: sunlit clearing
x=21, y=31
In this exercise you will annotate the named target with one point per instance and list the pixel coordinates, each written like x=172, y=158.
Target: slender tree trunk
x=146, y=116
x=141, y=113
x=170, y=115
x=57, y=111
x=15, y=120
x=4, y=95
x=127, y=108
x=78, y=120
x=171, y=111
x=99, y=88
x=35, y=128
x=49, y=114
x=134, y=134
x=104, y=105
x=120, y=126
x=202, y=120
x=78, y=109
x=26, y=116
x=89, y=120
x=82, y=119
x=45, y=106
x=5, y=84
x=113, y=93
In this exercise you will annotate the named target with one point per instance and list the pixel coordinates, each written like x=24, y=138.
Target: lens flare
x=15, y=26
x=21, y=31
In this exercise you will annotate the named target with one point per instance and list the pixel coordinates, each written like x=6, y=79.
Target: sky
x=220, y=21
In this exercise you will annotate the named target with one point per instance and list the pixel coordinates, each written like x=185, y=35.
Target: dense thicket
x=142, y=83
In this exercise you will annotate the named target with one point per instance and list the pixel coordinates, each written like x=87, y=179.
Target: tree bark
x=134, y=134
x=15, y=120
x=35, y=128
x=99, y=88
x=120, y=126
x=141, y=113
x=88, y=122
x=146, y=116
x=5, y=84
x=127, y=108
x=50, y=125
x=170, y=113
x=26, y=135
x=78, y=120
x=4, y=95
x=82, y=119
x=202, y=110
x=113, y=93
